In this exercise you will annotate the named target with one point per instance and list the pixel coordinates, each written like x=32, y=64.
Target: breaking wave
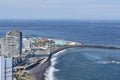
x=49, y=74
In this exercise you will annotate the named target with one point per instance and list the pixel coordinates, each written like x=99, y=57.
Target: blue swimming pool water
x=60, y=42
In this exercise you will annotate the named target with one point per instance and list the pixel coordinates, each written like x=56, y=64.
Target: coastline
x=38, y=72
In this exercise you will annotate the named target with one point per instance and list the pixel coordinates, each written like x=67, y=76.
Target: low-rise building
x=26, y=43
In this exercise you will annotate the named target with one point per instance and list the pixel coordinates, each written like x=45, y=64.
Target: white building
x=6, y=68
x=26, y=43
x=9, y=47
x=17, y=39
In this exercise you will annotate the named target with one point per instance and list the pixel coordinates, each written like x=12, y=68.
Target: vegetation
x=20, y=76
x=39, y=43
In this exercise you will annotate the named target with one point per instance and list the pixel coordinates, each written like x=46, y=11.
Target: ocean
x=76, y=63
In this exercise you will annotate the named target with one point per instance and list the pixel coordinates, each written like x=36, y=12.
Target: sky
x=60, y=9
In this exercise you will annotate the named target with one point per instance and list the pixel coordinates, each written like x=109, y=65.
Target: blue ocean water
x=80, y=63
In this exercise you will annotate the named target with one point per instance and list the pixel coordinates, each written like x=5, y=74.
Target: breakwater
x=100, y=46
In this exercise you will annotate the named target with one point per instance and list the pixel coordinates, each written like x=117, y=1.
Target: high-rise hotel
x=11, y=50
x=11, y=45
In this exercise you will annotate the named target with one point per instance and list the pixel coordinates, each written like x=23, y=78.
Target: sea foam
x=109, y=62
x=49, y=74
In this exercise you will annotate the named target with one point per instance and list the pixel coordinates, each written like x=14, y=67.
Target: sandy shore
x=38, y=72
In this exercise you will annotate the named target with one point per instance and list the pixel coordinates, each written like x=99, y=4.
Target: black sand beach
x=38, y=72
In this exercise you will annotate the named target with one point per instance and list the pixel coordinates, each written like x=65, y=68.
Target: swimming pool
x=60, y=42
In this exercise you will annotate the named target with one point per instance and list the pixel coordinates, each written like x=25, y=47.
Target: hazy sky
x=59, y=9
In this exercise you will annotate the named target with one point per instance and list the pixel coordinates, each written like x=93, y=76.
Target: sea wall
x=100, y=46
